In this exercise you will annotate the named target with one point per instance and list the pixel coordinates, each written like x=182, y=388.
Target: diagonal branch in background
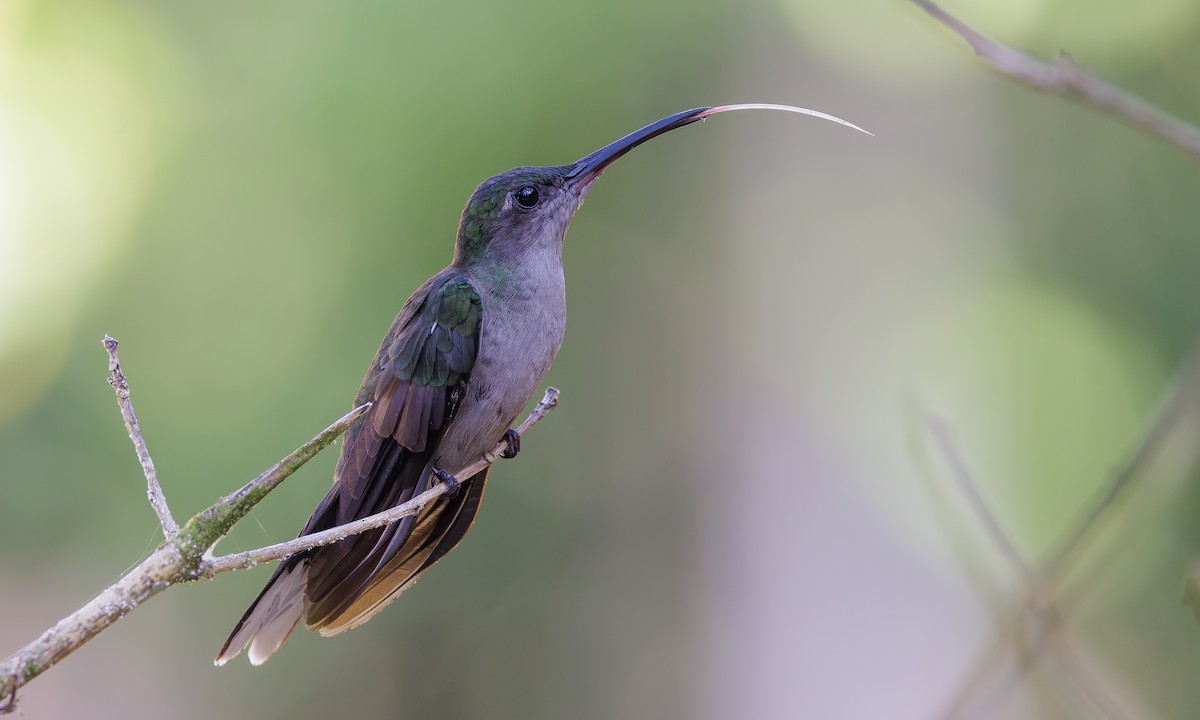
x=185, y=555
x=1183, y=397
x=939, y=431
x=1036, y=624
x=1066, y=78
x=1028, y=630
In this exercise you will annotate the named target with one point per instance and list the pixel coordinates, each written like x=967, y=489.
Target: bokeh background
x=737, y=511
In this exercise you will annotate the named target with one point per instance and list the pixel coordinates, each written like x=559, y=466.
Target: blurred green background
x=734, y=513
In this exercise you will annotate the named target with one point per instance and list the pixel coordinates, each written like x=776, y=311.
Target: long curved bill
x=588, y=168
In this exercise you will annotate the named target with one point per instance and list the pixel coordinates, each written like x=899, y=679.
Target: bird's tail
x=271, y=618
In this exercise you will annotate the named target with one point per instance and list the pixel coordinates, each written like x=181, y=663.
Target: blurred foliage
x=245, y=195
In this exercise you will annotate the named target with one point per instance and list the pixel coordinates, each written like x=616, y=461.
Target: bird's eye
x=527, y=196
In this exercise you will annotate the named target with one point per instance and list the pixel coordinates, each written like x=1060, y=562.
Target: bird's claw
x=513, y=438
x=452, y=483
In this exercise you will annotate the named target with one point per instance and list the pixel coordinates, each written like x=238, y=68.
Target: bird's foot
x=514, y=444
x=452, y=483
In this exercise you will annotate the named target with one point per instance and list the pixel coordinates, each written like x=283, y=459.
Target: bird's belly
x=511, y=362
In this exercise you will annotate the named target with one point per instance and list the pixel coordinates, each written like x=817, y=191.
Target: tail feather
x=442, y=525
x=270, y=620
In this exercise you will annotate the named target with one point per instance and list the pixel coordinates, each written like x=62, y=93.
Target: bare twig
x=1075, y=666
x=184, y=556
x=1039, y=630
x=1178, y=401
x=250, y=558
x=153, y=490
x=1037, y=620
x=940, y=434
x=1066, y=78
x=175, y=561
x=993, y=677
x=150, y=577
x=209, y=525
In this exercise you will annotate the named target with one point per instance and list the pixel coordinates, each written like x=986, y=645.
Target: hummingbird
x=462, y=359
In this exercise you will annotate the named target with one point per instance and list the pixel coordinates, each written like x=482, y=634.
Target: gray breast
x=523, y=326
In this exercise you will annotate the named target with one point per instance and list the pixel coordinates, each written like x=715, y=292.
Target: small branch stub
x=154, y=492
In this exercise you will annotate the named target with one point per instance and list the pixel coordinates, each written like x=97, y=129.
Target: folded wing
x=415, y=385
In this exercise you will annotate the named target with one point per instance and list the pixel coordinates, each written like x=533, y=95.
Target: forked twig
x=184, y=556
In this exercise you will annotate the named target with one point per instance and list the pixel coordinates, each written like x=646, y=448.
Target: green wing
x=426, y=363
x=416, y=383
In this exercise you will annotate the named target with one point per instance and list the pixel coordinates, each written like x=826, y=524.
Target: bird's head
x=529, y=208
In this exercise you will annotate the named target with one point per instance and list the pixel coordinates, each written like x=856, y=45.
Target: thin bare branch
x=184, y=555
x=251, y=558
x=1039, y=630
x=994, y=674
x=1081, y=677
x=154, y=492
x=150, y=577
x=209, y=525
x=1066, y=78
x=1178, y=401
x=940, y=434
x=175, y=561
